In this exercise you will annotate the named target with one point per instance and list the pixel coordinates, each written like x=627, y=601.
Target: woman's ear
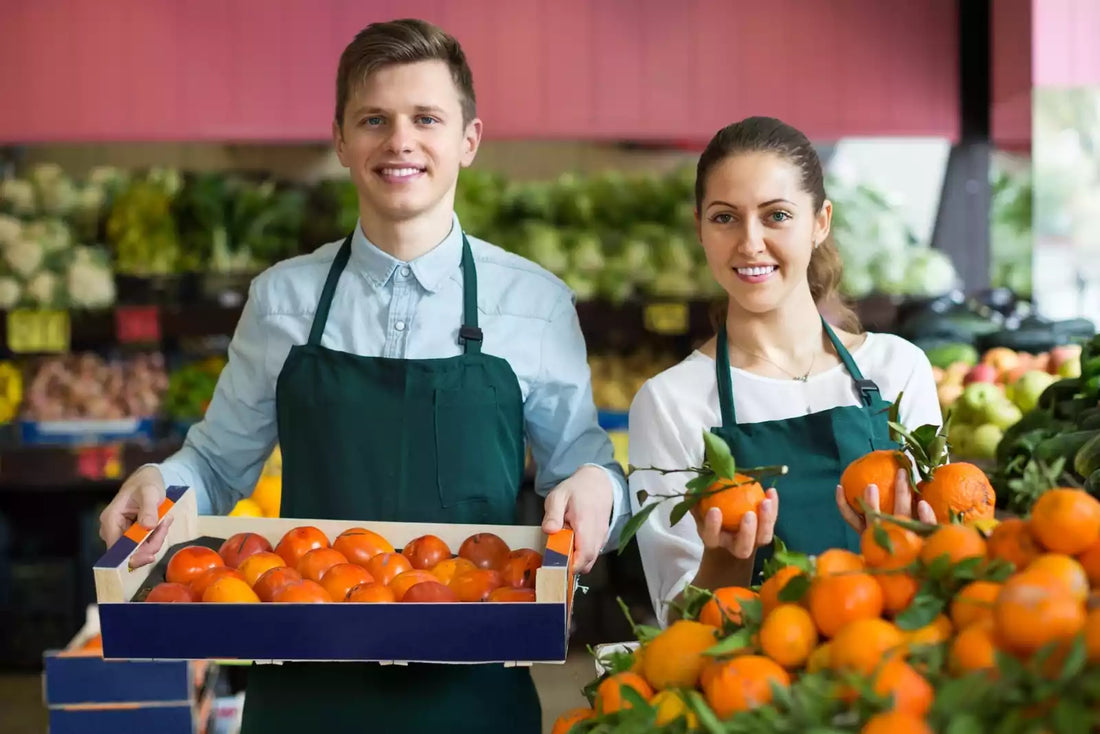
x=823, y=222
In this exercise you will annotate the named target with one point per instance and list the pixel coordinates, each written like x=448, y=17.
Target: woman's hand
x=903, y=503
x=756, y=529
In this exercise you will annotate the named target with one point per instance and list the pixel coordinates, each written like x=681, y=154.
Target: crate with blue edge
x=281, y=629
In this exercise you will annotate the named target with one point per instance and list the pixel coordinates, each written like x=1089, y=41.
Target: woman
x=777, y=382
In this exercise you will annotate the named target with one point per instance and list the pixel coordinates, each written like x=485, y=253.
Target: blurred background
x=156, y=154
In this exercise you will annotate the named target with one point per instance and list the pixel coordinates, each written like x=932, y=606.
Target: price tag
x=137, y=324
x=666, y=318
x=35, y=331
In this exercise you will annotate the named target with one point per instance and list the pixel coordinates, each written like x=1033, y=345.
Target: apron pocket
x=466, y=430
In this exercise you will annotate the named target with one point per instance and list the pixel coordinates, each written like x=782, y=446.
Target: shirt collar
x=430, y=269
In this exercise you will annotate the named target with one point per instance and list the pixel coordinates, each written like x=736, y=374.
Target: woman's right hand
x=756, y=529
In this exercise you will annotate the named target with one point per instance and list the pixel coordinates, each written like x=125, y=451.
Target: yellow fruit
x=268, y=495
x=247, y=508
x=674, y=658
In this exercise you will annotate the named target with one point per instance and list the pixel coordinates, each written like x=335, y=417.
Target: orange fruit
x=299, y=541
x=359, y=545
x=898, y=590
x=1065, y=520
x=1092, y=635
x=203, y=582
x=895, y=722
x=1063, y=570
x=476, y=585
x=268, y=494
x=342, y=578
x=837, y=561
x=974, y=602
x=957, y=542
x=879, y=468
x=428, y=591
x=486, y=550
x=909, y=691
x=229, y=589
x=253, y=567
x=446, y=570
x=609, y=697
x=820, y=659
x=1029, y=613
x=671, y=706
x=674, y=658
x=771, y=588
x=862, y=645
x=564, y=723
x=521, y=568
x=316, y=562
x=372, y=592
x=725, y=604
x=305, y=591
x=734, y=497
x=270, y=581
x=511, y=593
x=169, y=592
x=238, y=547
x=385, y=567
x=902, y=547
x=1090, y=561
x=405, y=581
x=788, y=635
x=743, y=683
x=836, y=601
x=426, y=551
x=974, y=648
x=1012, y=541
x=190, y=562
x=958, y=488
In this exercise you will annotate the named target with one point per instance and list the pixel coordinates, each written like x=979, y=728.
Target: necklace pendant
x=803, y=378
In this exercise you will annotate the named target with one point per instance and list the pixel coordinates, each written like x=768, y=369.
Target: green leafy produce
x=141, y=229
x=190, y=389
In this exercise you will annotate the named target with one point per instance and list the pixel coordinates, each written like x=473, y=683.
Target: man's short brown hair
x=403, y=41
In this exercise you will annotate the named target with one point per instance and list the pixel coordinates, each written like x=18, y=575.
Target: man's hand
x=583, y=502
x=137, y=501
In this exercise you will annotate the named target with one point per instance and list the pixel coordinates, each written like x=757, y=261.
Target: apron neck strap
x=321, y=317
x=470, y=334
x=868, y=390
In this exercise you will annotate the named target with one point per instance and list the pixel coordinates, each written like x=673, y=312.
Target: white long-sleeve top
x=670, y=412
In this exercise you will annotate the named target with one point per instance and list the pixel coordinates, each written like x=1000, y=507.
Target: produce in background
x=266, y=497
x=190, y=389
x=929, y=628
x=87, y=387
x=141, y=229
x=616, y=378
x=11, y=391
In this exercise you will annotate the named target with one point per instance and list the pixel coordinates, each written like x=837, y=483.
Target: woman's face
x=758, y=228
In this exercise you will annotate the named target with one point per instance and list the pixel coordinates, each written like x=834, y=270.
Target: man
x=403, y=372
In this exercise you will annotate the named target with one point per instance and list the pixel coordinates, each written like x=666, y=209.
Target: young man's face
x=404, y=141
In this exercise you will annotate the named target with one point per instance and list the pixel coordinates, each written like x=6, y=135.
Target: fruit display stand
x=86, y=693
x=511, y=633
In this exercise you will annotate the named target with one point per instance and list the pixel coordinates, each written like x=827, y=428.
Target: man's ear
x=338, y=142
x=471, y=141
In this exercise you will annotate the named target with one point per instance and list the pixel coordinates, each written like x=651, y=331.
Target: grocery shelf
x=69, y=467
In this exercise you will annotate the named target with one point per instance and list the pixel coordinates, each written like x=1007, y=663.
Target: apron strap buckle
x=867, y=388
x=469, y=333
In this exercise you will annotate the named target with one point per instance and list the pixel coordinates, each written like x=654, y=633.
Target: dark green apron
x=816, y=449
x=404, y=440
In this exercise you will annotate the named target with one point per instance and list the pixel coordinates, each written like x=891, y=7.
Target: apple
x=981, y=373
x=937, y=374
x=1001, y=359
x=956, y=372
x=984, y=440
x=1003, y=414
x=948, y=393
x=1041, y=362
x=958, y=438
x=1062, y=354
x=1026, y=390
x=1070, y=368
x=977, y=395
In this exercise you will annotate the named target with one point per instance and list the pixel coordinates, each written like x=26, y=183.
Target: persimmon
x=405, y=581
x=169, y=592
x=299, y=541
x=426, y=551
x=476, y=585
x=203, y=582
x=359, y=545
x=190, y=562
x=229, y=590
x=371, y=592
x=486, y=550
x=313, y=564
x=446, y=570
x=238, y=547
x=511, y=593
x=520, y=568
x=253, y=567
x=342, y=578
x=385, y=567
x=272, y=580
x=429, y=591
x=305, y=591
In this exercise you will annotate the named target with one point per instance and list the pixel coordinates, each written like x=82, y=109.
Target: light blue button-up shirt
x=387, y=308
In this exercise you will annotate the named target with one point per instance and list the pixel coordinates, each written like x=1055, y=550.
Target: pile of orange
x=358, y=565
x=923, y=627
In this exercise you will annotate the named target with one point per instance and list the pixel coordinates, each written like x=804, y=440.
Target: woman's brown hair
x=769, y=135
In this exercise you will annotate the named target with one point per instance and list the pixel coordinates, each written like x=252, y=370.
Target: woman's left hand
x=903, y=503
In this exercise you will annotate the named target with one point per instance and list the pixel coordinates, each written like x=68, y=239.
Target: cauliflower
x=10, y=230
x=89, y=281
x=17, y=196
x=57, y=197
x=42, y=289
x=24, y=256
x=52, y=234
x=10, y=292
x=46, y=174
x=90, y=200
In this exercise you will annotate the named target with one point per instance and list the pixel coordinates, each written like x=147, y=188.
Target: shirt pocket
x=470, y=463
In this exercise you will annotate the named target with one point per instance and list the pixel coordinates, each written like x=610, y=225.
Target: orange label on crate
x=39, y=331
x=666, y=318
x=137, y=324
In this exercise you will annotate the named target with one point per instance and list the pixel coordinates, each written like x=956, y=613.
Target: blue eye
x=373, y=121
x=426, y=120
x=779, y=216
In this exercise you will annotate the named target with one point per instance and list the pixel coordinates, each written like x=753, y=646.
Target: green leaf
x=1075, y=660
x=718, y=455
x=965, y=723
x=683, y=507
x=700, y=482
x=739, y=640
x=1070, y=717
x=795, y=588
x=707, y=718
x=633, y=524
x=926, y=434
x=921, y=611
x=882, y=538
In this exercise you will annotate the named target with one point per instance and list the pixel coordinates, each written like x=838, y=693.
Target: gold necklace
x=800, y=378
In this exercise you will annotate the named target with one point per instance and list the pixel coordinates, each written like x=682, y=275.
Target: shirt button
x=405, y=272
x=400, y=326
